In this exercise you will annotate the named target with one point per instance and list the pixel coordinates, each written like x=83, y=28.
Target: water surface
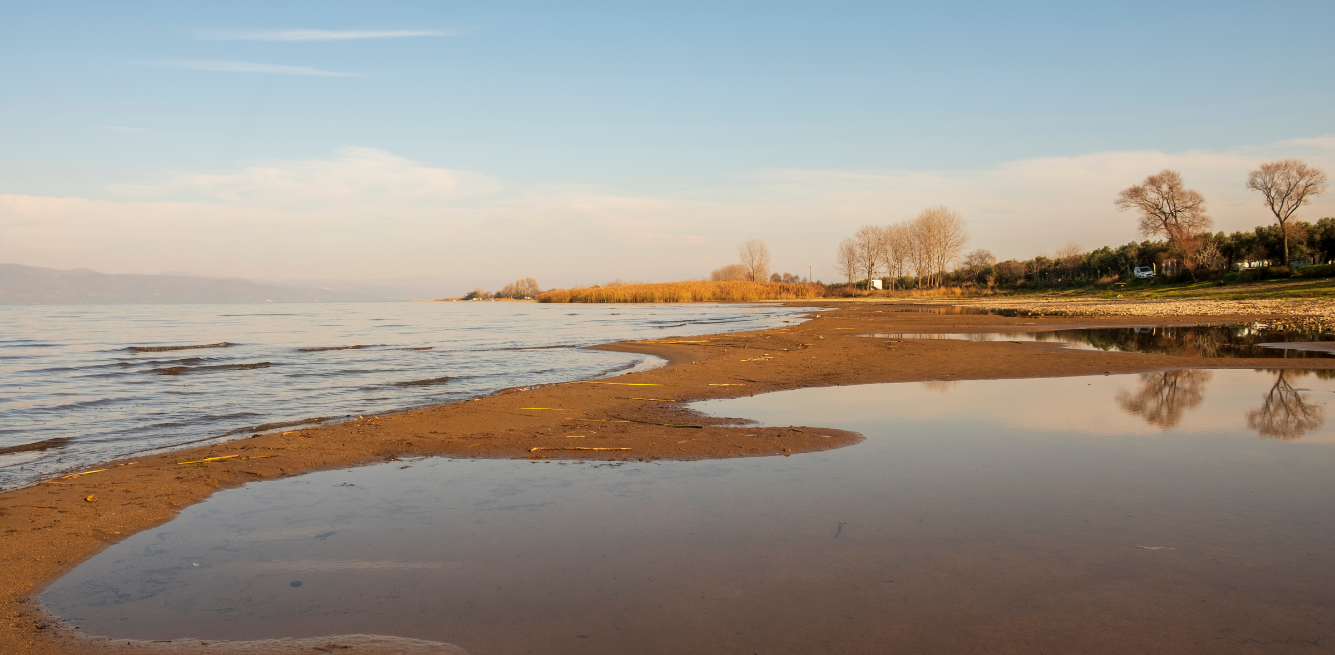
x=1180, y=511
x=85, y=384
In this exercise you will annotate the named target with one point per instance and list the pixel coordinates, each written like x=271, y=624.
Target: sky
x=581, y=142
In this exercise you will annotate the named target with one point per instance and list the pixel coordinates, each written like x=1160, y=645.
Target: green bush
x=1318, y=270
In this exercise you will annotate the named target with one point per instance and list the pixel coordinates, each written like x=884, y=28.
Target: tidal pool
x=1182, y=341
x=1177, y=511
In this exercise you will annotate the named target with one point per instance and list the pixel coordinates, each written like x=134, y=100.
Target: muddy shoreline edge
x=48, y=528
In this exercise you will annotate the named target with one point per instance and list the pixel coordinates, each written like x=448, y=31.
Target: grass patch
x=1204, y=289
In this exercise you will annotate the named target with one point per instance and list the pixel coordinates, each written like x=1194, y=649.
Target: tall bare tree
x=1166, y=207
x=1287, y=185
x=937, y=238
x=895, y=250
x=846, y=258
x=870, y=241
x=917, y=239
x=754, y=255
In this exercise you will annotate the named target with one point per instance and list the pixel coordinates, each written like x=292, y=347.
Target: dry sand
x=48, y=528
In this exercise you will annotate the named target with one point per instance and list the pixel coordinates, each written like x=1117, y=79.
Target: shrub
x=1319, y=270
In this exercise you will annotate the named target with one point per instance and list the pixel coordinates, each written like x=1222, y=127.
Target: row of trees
x=1214, y=252
x=1173, y=217
x=928, y=245
x=521, y=289
x=1167, y=209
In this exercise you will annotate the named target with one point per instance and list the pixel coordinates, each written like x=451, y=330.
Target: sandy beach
x=48, y=528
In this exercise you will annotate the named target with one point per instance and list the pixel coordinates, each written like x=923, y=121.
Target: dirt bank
x=48, y=528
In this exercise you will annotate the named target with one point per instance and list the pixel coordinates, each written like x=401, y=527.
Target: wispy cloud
x=302, y=34
x=250, y=67
x=123, y=128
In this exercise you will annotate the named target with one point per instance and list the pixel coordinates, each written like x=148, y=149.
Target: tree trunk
x=1285, y=233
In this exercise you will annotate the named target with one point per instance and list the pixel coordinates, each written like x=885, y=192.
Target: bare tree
x=870, y=241
x=918, y=238
x=1164, y=397
x=937, y=238
x=976, y=262
x=1287, y=185
x=1210, y=256
x=1166, y=208
x=1068, y=257
x=523, y=288
x=1284, y=412
x=895, y=250
x=729, y=272
x=846, y=258
x=754, y=255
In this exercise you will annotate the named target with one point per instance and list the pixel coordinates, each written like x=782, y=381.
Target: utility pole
x=808, y=275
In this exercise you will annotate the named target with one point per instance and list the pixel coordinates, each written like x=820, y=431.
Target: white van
x=1143, y=272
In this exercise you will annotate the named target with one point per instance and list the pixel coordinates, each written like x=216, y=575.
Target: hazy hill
x=32, y=285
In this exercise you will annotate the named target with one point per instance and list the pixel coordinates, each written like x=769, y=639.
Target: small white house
x=875, y=284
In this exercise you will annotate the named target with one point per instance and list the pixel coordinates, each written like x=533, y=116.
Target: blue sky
x=656, y=135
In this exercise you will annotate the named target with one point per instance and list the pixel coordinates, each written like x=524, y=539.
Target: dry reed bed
x=702, y=291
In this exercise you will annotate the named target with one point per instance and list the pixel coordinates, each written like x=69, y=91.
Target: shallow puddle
x=1185, y=341
x=1181, y=511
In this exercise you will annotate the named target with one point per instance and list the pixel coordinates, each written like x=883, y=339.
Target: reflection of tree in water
x=1163, y=397
x=1182, y=342
x=940, y=385
x=1284, y=412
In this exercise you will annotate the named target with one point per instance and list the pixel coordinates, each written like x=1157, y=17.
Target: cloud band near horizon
x=370, y=213
x=251, y=67
x=300, y=35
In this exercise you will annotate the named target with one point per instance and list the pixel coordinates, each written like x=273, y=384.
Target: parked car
x=1143, y=272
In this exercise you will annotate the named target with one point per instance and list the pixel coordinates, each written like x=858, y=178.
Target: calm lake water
x=1180, y=511
x=92, y=383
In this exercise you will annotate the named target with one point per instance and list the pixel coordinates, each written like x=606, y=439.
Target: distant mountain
x=31, y=285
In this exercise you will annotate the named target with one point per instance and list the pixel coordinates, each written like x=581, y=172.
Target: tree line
x=521, y=289
x=1218, y=252
x=928, y=250
x=927, y=245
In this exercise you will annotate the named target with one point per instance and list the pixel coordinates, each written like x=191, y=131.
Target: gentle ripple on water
x=92, y=383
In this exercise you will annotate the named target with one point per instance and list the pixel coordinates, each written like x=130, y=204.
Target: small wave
x=420, y=348
x=358, y=643
x=422, y=383
x=324, y=348
x=264, y=427
x=35, y=446
x=182, y=370
x=572, y=345
x=163, y=349
x=83, y=404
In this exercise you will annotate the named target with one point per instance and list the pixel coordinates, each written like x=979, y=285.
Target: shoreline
x=48, y=528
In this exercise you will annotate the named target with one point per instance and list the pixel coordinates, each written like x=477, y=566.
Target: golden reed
x=702, y=291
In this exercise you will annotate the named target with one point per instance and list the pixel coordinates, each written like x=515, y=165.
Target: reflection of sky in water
x=1190, y=401
x=74, y=373
x=976, y=513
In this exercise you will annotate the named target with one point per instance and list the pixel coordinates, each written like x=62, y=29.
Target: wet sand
x=46, y=529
